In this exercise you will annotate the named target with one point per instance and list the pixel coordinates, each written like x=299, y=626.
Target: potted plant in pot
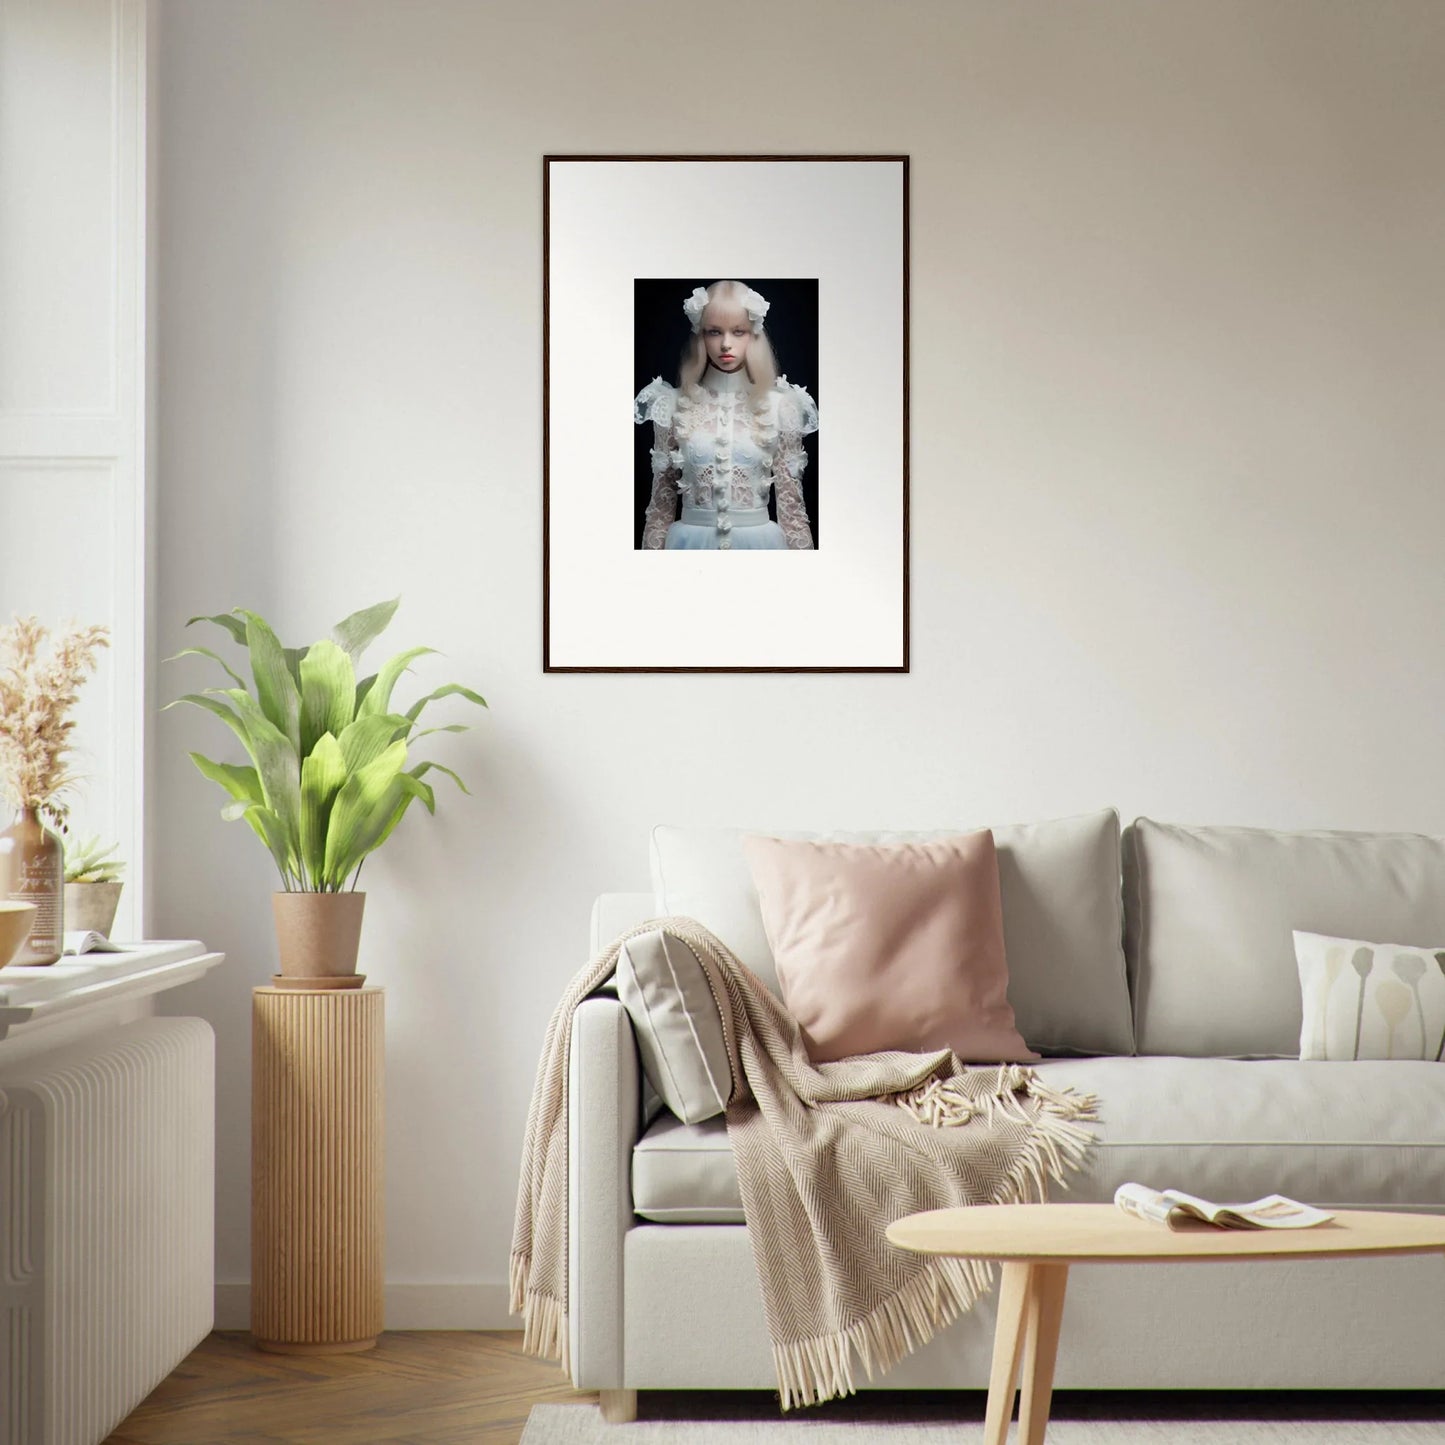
x=92, y=886
x=327, y=779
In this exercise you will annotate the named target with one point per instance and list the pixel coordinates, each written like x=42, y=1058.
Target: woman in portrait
x=730, y=430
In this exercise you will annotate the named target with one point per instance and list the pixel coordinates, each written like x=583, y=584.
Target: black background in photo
x=661, y=330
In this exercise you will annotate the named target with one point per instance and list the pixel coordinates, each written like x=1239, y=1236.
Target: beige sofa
x=1156, y=971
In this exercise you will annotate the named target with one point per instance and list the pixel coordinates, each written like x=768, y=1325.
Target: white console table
x=107, y=1187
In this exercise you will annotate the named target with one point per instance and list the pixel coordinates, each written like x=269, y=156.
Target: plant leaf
x=293, y=656
x=227, y=715
x=423, y=791
x=86, y=861
x=452, y=688
x=270, y=830
x=422, y=768
x=276, y=690
x=322, y=775
x=328, y=693
x=361, y=812
x=232, y=624
x=357, y=632
x=404, y=790
x=378, y=698
x=243, y=784
x=214, y=656
x=369, y=737
x=277, y=764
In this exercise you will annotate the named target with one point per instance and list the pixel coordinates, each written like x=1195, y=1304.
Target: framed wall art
x=725, y=413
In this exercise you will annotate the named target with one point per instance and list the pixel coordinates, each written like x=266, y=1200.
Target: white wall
x=1178, y=335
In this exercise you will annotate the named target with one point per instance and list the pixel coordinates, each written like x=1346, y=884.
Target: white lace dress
x=716, y=454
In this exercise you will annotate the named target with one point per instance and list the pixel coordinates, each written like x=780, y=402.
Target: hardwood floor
x=452, y=1388
x=415, y=1388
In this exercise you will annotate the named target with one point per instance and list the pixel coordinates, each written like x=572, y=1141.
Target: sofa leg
x=619, y=1407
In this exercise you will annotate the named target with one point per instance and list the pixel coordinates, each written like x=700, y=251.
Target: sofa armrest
x=604, y=1107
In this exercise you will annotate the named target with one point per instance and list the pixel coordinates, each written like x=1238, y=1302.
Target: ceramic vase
x=32, y=870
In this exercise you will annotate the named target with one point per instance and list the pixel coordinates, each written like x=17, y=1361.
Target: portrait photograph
x=725, y=391
x=727, y=445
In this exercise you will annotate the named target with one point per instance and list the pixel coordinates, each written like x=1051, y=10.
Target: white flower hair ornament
x=693, y=306
x=753, y=303
x=756, y=308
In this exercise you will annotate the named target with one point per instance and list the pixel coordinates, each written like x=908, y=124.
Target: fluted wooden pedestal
x=316, y=1169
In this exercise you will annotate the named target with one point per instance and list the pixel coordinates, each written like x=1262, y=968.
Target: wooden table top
x=1077, y=1233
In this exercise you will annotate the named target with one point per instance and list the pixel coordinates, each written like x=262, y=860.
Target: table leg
x=1045, y=1310
x=1013, y=1298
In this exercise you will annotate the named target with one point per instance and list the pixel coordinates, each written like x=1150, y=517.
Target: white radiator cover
x=107, y=1197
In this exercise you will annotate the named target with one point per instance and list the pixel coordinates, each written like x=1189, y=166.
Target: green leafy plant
x=328, y=779
x=88, y=862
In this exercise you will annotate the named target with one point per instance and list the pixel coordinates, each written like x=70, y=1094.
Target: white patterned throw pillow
x=1370, y=1000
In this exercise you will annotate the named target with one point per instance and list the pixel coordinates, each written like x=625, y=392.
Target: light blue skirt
x=750, y=531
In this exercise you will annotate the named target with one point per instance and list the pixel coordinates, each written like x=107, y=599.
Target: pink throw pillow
x=890, y=946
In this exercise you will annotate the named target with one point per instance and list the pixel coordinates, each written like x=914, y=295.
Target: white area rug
x=1078, y=1418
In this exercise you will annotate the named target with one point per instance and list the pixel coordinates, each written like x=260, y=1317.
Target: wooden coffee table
x=1038, y=1242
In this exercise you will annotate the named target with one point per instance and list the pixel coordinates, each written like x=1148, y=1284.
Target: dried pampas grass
x=37, y=693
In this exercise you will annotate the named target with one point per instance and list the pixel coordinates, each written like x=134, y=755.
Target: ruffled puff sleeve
x=797, y=416
x=657, y=403
x=797, y=411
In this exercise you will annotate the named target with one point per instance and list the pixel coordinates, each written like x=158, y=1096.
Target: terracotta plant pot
x=91, y=906
x=16, y=921
x=318, y=934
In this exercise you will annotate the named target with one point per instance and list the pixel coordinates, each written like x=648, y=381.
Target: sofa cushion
x=1367, y=1135
x=680, y=1037
x=685, y=1174
x=1059, y=882
x=889, y=947
x=1212, y=912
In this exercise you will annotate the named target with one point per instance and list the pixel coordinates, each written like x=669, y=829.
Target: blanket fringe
x=1059, y=1141
x=518, y=1270
x=812, y=1370
x=544, y=1321
x=544, y=1330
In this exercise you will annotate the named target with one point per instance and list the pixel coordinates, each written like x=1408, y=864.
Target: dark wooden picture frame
x=577, y=256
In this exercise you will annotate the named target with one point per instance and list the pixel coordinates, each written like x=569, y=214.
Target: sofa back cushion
x=615, y=913
x=1059, y=883
x=1211, y=918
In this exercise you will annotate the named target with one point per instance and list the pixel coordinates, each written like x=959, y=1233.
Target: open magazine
x=88, y=941
x=1180, y=1211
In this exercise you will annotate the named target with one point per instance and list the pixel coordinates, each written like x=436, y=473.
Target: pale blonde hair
x=725, y=304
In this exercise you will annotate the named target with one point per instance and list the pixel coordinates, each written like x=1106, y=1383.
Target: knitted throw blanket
x=827, y=1157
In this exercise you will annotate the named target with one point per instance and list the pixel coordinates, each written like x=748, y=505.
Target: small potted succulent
x=92, y=886
x=326, y=780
